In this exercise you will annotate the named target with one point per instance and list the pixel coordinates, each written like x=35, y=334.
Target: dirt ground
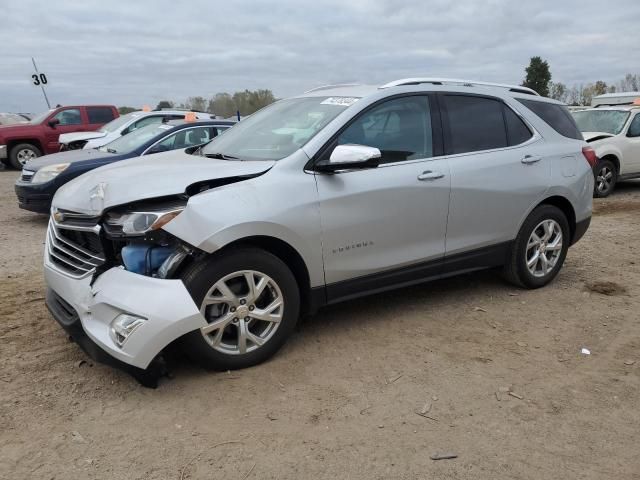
x=497, y=372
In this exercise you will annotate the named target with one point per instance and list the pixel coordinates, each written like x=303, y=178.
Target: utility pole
x=40, y=79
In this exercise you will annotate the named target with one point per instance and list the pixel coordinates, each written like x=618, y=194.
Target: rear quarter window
x=100, y=114
x=554, y=115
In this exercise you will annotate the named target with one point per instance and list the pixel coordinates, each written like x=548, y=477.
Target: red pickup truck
x=22, y=142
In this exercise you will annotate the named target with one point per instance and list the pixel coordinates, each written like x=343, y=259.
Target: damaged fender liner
x=69, y=320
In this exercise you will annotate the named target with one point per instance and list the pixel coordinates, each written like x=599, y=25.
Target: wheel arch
x=613, y=159
x=565, y=206
x=289, y=256
x=32, y=141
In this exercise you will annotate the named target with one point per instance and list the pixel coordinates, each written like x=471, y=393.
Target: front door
x=630, y=146
x=70, y=121
x=390, y=220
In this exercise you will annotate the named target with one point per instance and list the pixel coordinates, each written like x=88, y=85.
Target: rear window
x=475, y=123
x=516, y=128
x=556, y=116
x=100, y=114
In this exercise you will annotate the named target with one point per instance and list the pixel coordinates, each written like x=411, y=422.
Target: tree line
x=538, y=77
x=221, y=104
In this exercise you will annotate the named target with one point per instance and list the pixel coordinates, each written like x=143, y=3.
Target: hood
x=18, y=129
x=66, y=157
x=67, y=138
x=594, y=136
x=142, y=178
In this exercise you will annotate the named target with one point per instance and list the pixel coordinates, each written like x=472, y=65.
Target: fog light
x=123, y=326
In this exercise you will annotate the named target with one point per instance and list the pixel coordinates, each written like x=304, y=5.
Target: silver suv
x=340, y=192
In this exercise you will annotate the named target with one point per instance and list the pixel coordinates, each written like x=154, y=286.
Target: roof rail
x=455, y=81
x=336, y=85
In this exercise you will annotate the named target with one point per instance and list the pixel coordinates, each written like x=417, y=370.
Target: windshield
x=607, y=121
x=113, y=125
x=278, y=130
x=40, y=117
x=131, y=141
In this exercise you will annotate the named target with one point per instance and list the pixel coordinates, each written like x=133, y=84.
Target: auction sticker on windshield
x=342, y=101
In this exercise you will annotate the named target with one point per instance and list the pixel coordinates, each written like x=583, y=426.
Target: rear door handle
x=530, y=159
x=430, y=175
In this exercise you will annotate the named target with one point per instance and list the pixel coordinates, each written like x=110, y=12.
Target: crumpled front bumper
x=169, y=310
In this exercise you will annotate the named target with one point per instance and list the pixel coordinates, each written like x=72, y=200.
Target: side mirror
x=348, y=157
x=53, y=122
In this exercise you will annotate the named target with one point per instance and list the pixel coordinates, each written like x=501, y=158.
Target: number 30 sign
x=39, y=79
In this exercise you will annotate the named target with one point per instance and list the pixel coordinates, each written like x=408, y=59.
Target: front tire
x=540, y=248
x=251, y=302
x=606, y=176
x=22, y=153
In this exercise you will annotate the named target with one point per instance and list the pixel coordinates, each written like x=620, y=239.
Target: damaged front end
x=135, y=240
x=114, y=283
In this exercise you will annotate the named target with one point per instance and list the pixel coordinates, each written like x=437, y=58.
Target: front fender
x=281, y=204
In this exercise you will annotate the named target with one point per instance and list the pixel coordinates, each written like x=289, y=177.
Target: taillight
x=590, y=155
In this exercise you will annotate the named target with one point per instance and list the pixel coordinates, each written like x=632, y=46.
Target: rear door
x=389, y=220
x=498, y=171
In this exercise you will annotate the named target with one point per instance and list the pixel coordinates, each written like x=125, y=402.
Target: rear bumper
x=581, y=228
x=3, y=152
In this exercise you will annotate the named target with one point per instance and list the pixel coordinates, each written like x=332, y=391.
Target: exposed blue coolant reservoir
x=144, y=259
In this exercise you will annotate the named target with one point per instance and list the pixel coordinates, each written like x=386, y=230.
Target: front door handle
x=430, y=175
x=530, y=159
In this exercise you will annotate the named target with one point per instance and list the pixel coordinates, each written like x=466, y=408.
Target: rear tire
x=220, y=288
x=606, y=176
x=22, y=153
x=540, y=248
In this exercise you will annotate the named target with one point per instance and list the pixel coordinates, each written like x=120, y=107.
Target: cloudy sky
x=138, y=52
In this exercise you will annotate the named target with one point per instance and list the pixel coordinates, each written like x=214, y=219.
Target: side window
x=183, y=139
x=69, y=117
x=634, y=128
x=144, y=122
x=99, y=114
x=516, y=129
x=475, y=123
x=399, y=128
x=219, y=130
x=556, y=116
x=196, y=136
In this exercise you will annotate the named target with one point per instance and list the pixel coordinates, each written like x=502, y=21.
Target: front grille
x=76, y=252
x=27, y=176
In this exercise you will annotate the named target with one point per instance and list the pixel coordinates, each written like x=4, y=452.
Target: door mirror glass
x=351, y=156
x=53, y=122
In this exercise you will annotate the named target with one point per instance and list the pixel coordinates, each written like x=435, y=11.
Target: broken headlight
x=140, y=222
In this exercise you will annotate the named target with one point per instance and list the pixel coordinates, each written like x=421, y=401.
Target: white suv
x=121, y=126
x=340, y=192
x=614, y=133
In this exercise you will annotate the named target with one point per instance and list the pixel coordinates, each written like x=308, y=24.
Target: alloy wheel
x=25, y=155
x=544, y=248
x=604, y=180
x=243, y=311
